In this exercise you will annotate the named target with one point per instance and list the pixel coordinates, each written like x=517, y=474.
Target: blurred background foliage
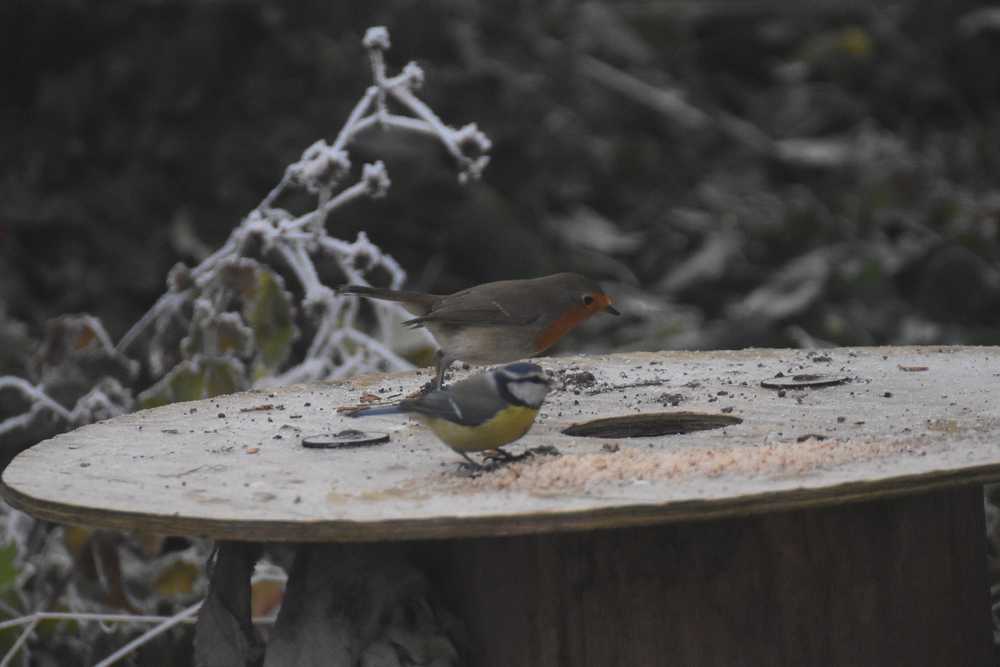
x=739, y=173
x=744, y=173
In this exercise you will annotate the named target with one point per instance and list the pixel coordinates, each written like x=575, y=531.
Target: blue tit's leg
x=472, y=463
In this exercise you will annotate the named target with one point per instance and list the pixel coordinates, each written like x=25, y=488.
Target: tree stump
x=757, y=507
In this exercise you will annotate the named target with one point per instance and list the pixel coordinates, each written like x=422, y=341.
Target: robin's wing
x=469, y=402
x=494, y=317
x=482, y=306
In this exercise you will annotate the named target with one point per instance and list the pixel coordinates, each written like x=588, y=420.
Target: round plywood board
x=234, y=467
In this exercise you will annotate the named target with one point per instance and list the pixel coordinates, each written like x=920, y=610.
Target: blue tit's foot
x=500, y=456
x=470, y=467
x=493, y=459
x=542, y=450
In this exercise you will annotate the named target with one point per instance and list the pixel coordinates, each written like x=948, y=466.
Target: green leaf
x=193, y=379
x=8, y=567
x=187, y=383
x=223, y=376
x=269, y=312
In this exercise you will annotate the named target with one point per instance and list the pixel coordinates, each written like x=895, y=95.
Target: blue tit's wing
x=376, y=410
x=470, y=402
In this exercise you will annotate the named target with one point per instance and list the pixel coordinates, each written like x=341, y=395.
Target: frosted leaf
x=320, y=169
x=108, y=399
x=413, y=75
x=180, y=278
x=472, y=141
x=377, y=37
x=376, y=179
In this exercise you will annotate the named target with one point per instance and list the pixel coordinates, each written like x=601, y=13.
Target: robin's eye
x=587, y=299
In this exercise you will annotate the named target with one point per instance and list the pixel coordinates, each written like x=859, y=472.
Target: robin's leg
x=443, y=363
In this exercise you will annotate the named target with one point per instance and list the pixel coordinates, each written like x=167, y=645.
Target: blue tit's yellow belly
x=507, y=426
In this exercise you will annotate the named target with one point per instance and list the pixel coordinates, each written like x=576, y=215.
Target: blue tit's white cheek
x=529, y=393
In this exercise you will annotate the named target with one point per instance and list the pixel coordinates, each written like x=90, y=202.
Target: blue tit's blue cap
x=522, y=368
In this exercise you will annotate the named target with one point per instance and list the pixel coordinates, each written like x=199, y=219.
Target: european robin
x=498, y=322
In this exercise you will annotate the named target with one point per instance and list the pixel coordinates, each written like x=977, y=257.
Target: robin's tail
x=418, y=303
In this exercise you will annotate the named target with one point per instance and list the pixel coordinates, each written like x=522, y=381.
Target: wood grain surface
x=888, y=582
x=233, y=467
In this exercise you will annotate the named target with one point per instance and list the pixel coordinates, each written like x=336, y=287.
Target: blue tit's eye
x=587, y=299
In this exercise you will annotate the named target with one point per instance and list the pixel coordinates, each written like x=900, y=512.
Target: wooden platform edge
x=508, y=525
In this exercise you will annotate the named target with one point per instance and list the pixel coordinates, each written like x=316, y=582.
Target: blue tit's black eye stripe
x=503, y=387
x=505, y=392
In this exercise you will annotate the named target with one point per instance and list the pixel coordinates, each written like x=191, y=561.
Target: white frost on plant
x=339, y=346
x=377, y=37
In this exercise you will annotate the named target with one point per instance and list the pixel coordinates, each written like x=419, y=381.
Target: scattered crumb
x=258, y=408
x=579, y=379
x=671, y=399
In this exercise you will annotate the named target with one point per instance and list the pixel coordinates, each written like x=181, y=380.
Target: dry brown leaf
x=265, y=597
x=176, y=579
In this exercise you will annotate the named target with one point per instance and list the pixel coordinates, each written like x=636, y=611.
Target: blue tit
x=485, y=411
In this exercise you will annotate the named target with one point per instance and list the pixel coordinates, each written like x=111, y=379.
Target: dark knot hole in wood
x=651, y=425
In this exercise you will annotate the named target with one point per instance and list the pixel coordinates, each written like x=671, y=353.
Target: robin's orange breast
x=569, y=320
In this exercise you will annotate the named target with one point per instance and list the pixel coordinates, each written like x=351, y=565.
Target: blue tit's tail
x=377, y=410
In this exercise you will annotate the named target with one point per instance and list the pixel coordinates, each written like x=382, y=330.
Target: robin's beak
x=611, y=309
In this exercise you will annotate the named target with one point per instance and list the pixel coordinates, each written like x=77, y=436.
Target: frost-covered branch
x=296, y=239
